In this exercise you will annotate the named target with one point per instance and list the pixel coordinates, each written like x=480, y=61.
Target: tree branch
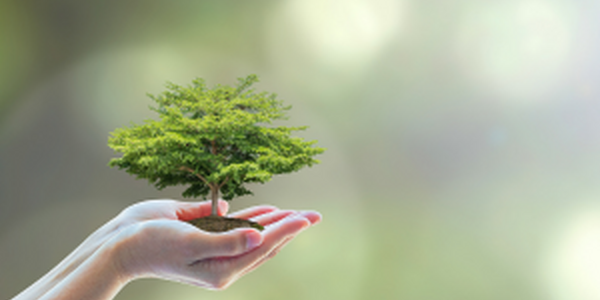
x=184, y=168
x=223, y=183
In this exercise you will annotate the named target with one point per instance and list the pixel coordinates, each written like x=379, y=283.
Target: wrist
x=119, y=248
x=98, y=277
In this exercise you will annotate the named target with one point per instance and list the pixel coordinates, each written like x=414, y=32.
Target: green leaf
x=219, y=134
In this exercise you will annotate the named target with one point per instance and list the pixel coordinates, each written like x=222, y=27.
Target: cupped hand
x=171, y=210
x=150, y=239
x=156, y=243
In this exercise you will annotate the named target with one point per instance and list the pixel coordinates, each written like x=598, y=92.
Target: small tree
x=213, y=140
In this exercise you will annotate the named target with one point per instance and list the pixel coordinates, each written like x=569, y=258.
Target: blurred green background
x=463, y=138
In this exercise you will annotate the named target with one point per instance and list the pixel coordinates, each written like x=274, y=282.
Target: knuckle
x=233, y=244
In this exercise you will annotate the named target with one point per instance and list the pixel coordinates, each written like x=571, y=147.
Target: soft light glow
x=519, y=49
x=572, y=271
x=342, y=31
x=109, y=87
x=338, y=33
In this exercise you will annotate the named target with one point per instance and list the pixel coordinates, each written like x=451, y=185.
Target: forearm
x=98, y=277
x=70, y=264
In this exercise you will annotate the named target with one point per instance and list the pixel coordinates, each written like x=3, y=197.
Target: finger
x=313, y=216
x=273, y=236
x=279, y=247
x=222, y=208
x=231, y=243
x=272, y=217
x=269, y=255
x=253, y=212
x=284, y=227
x=191, y=210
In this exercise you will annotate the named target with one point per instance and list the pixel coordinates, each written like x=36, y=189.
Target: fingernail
x=313, y=216
x=303, y=218
x=253, y=239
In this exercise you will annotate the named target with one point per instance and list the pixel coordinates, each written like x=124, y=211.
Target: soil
x=222, y=224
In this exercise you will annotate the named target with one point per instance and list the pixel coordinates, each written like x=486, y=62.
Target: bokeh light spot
x=572, y=268
x=519, y=50
x=330, y=41
x=339, y=32
x=108, y=88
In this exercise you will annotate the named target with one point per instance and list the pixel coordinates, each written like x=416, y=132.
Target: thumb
x=231, y=243
x=191, y=210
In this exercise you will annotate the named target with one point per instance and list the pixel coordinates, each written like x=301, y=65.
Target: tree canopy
x=212, y=140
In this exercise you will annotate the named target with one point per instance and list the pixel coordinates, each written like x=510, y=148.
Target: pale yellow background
x=463, y=138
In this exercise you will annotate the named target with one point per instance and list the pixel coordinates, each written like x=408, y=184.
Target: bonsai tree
x=214, y=141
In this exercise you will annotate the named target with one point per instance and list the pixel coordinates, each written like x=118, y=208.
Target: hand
x=149, y=239
x=157, y=244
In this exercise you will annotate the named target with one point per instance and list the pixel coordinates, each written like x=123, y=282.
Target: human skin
x=149, y=239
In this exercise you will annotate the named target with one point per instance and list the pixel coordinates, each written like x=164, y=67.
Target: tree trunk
x=214, y=194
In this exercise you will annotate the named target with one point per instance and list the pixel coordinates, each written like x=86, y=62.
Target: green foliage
x=219, y=138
